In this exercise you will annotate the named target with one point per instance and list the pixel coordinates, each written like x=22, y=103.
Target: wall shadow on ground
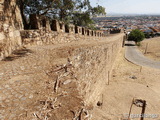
x=18, y=54
x=130, y=45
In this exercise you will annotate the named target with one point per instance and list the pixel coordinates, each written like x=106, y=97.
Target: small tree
x=136, y=35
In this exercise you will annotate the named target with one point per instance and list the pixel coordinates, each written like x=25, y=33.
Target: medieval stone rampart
x=61, y=69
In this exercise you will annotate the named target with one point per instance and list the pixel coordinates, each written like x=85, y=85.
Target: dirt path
x=134, y=55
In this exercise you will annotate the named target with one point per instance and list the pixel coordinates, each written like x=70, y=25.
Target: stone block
x=2, y=36
x=62, y=27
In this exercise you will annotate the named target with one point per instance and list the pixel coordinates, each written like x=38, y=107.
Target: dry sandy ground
x=153, y=49
x=118, y=96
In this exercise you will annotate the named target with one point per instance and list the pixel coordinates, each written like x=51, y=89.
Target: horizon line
x=133, y=13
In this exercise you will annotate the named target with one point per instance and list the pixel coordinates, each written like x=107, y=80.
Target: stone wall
x=43, y=37
x=92, y=65
x=82, y=69
x=43, y=32
x=10, y=24
x=82, y=65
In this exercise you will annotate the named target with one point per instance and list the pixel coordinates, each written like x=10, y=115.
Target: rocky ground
x=45, y=92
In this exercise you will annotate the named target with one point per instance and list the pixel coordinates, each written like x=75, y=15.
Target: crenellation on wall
x=91, y=55
x=65, y=33
x=62, y=27
x=70, y=29
x=79, y=30
x=44, y=32
x=89, y=62
x=85, y=31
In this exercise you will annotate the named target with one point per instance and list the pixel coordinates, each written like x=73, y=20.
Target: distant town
x=149, y=24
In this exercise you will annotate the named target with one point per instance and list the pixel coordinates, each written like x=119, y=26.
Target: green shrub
x=136, y=35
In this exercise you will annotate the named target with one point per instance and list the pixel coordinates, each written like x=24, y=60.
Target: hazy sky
x=129, y=6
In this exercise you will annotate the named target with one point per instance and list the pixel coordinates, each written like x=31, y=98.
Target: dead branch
x=56, y=85
x=58, y=81
x=77, y=115
x=37, y=116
